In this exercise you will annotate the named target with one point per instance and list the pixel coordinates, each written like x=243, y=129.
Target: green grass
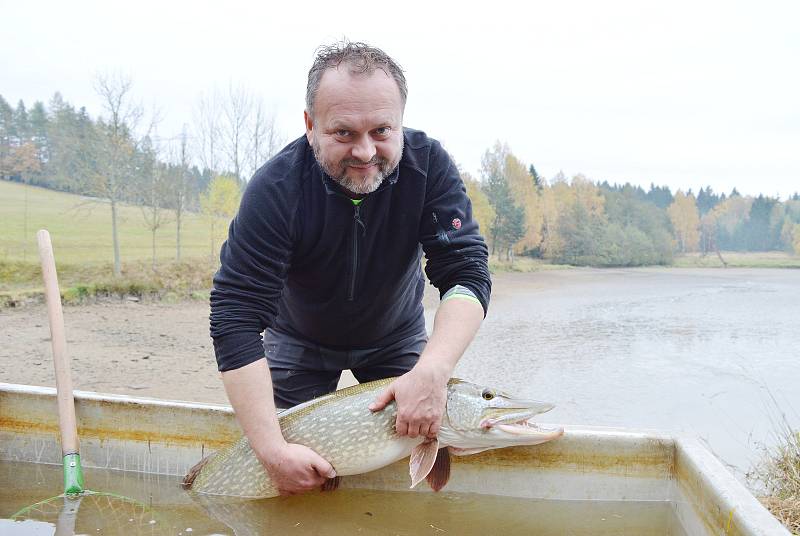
x=738, y=259
x=81, y=229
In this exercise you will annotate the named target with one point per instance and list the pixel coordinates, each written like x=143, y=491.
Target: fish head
x=479, y=417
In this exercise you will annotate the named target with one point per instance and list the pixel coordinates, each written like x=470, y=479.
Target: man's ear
x=309, y=125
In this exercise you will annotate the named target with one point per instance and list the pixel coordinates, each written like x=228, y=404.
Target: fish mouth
x=515, y=420
x=514, y=412
x=530, y=429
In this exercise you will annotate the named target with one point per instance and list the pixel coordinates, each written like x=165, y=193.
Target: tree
x=24, y=162
x=537, y=180
x=115, y=148
x=6, y=132
x=207, y=130
x=761, y=232
x=660, y=196
x=706, y=200
x=508, y=225
x=181, y=188
x=642, y=235
x=153, y=186
x=580, y=222
x=482, y=210
x=38, y=132
x=220, y=202
x=234, y=133
x=685, y=222
x=237, y=110
x=265, y=141
x=527, y=197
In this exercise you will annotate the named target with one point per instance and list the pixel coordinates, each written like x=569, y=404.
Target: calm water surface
x=702, y=352
x=157, y=506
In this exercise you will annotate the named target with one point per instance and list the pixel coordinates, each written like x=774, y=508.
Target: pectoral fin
x=440, y=472
x=422, y=459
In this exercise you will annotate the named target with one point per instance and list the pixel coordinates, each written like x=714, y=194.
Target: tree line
x=580, y=222
x=120, y=157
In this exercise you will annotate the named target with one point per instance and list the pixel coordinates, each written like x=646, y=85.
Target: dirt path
x=154, y=350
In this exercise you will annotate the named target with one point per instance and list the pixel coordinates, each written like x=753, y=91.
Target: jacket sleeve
x=254, y=262
x=455, y=250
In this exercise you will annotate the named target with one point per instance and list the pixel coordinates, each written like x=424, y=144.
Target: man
x=325, y=254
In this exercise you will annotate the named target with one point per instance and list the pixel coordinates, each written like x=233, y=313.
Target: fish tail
x=188, y=480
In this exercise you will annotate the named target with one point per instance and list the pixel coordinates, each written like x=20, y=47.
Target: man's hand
x=421, y=396
x=295, y=468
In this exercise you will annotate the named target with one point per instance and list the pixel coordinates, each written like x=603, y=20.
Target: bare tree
x=237, y=110
x=207, y=121
x=234, y=134
x=155, y=182
x=180, y=188
x=265, y=139
x=117, y=146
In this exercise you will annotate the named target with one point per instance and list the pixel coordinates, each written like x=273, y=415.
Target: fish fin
x=455, y=451
x=440, y=472
x=188, y=480
x=422, y=459
x=331, y=484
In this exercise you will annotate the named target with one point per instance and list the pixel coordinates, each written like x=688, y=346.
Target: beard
x=359, y=185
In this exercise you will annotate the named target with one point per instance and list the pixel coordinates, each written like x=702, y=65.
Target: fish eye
x=487, y=395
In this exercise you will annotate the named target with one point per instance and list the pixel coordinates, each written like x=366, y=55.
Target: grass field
x=739, y=259
x=81, y=233
x=81, y=229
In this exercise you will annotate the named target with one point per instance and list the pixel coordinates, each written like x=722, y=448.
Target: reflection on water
x=694, y=351
x=157, y=506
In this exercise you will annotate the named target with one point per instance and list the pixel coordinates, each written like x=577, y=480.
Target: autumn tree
x=526, y=196
x=482, y=210
x=685, y=221
x=219, y=203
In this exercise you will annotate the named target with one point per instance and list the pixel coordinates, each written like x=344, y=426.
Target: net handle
x=66, y=405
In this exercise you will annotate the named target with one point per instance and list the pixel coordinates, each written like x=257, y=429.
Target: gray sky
x=682, y=93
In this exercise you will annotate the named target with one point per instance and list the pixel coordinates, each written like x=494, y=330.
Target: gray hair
x=361, y=58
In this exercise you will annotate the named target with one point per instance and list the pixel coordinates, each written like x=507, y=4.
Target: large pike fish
x=340, y=428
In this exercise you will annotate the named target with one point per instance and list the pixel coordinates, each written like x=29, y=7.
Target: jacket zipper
x=354, y=268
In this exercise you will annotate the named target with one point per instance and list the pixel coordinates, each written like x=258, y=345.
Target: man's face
x=356, y=131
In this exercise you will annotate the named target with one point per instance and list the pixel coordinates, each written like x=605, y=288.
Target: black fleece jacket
x=303, y=259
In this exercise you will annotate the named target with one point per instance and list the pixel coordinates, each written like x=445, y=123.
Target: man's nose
x=364, y=149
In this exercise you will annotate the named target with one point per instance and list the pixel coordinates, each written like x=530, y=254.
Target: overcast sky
x=682, y=93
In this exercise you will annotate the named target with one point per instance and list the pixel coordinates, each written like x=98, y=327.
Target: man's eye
x=343, y=133
x=383, y=131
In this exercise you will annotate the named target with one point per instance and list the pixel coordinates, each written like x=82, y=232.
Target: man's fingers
x=384, y=398
x=323, y=468
x=425, y=430
x=434, y=430
x=401, y=427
